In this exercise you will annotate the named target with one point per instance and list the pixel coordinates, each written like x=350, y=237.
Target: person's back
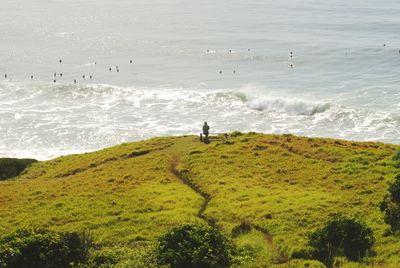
x=206, y=129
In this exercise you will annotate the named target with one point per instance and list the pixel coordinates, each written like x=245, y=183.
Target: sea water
x=306, y=67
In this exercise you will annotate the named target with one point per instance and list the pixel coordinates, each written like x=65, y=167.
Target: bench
x=215, y=136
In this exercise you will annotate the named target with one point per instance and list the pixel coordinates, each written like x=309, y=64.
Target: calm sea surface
x=315, y=68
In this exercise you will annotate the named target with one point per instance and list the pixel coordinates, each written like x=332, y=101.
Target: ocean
x=163, y=67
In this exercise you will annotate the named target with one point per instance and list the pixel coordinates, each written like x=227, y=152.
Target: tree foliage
x=194, y=245
x=42, y=249
x=341, y=236
x=390, y=206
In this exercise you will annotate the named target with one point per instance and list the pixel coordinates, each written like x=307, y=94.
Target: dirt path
x=184, y=177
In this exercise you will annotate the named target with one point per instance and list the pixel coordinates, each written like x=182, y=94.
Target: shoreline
x=38, y=158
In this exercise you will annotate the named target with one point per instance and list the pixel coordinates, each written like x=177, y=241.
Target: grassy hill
x=282, y=186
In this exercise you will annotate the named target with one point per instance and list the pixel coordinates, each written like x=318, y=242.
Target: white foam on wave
x=50, y=120
x=290, y=106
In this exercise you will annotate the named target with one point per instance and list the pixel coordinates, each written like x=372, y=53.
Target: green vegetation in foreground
x=12, y=167
x=42, y=249
x=266, y=193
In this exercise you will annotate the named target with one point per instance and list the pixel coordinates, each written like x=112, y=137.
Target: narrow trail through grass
x=184, y=177
x=268, y=237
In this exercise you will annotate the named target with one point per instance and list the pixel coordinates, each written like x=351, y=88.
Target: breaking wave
x=45, y=121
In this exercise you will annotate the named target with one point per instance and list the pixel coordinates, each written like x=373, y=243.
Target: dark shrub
x=236, y=134
x=42, y=249
x=342, y=236
x=394, y=190
x=392, y=214
x=194, y=245
x=396, y=156
x=390, y=206
x=11, y=167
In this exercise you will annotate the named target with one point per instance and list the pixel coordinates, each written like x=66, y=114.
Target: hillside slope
x=281, y=185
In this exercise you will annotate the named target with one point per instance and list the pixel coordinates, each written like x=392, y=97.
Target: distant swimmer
x=130, y=61
x=116, y=67
x=248, y=49
x=384, y=45
x=90, y=77
x=208, y=51
x=55, y=74
x=5, y=76
x=74, y=81
x=60, y=60
x=220, y=71
x=117, y=70
x=230, y=51
x=55, y=81
x=60, y=74
x=234, y=71
x=83, y=76
x=110, y=69
x=31, y=77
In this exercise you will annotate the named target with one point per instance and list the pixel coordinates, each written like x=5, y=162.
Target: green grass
x=282, y=185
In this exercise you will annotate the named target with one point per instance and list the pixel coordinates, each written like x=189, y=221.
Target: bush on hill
x=236, y=134
x=341, y=236
x=194, y=245
x=11, y=167
x=392, y=214
x=390, y=206
x=396, y=156
x=394, y=190
x=42, y=249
